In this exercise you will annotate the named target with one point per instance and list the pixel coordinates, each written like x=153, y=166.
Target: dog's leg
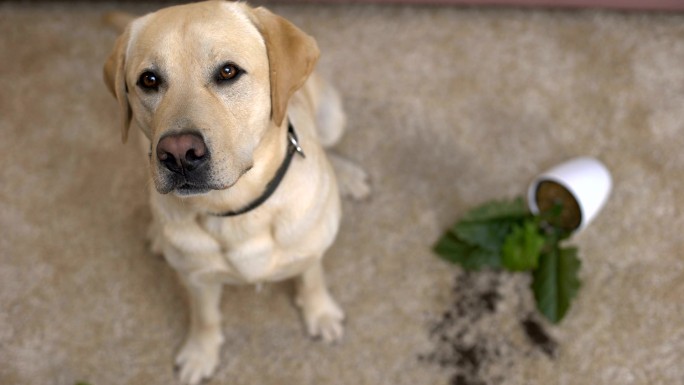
x=352, y=180
x=330, y=117
x=322, y=315
x=199, y=356
x=330, y=124
x=331, y=120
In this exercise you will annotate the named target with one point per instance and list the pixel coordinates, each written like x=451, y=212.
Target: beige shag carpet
x=448, y=108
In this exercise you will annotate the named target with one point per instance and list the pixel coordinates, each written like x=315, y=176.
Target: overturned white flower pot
x=581, y=185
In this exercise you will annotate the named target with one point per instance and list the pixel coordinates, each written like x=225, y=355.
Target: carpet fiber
x=448, y=108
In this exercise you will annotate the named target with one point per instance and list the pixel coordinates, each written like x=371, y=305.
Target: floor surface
x=448, y=107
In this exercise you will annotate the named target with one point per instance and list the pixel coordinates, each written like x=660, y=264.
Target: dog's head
x=206, y=82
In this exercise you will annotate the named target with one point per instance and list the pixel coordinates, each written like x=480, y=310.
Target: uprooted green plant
x=506, y=235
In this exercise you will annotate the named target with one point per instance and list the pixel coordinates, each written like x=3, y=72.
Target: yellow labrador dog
x=237, y=125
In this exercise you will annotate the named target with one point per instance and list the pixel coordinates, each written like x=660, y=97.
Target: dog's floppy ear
x=115, y=78
x=292, y=56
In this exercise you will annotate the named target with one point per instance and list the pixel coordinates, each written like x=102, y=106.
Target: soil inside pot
x=551, y=194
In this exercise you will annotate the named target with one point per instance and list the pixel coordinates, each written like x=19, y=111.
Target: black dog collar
x=292, y=148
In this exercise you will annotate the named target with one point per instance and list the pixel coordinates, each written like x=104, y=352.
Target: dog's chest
x=252, y=252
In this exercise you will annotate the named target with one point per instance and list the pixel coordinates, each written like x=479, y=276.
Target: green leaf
x=470, y=257
x=452, y=249
x=480, y=258
x=521, y=249
x=487, y=235
x=555, y=282
x=488, y=225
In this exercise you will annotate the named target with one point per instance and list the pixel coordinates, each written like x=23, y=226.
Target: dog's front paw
x=323, y=318
x=352, y=180
x=198, y=358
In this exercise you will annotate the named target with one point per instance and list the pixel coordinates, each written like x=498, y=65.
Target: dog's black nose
x=182, y=153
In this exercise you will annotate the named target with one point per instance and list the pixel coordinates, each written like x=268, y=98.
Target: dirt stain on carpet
x=467, y=339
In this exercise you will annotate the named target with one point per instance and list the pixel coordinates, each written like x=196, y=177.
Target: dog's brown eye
x=228, y=72
x=149, y=81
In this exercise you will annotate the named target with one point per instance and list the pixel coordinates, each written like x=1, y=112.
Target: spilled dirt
x=488, y=330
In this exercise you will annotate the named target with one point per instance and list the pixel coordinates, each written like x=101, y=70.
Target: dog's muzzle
x=184, y=162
